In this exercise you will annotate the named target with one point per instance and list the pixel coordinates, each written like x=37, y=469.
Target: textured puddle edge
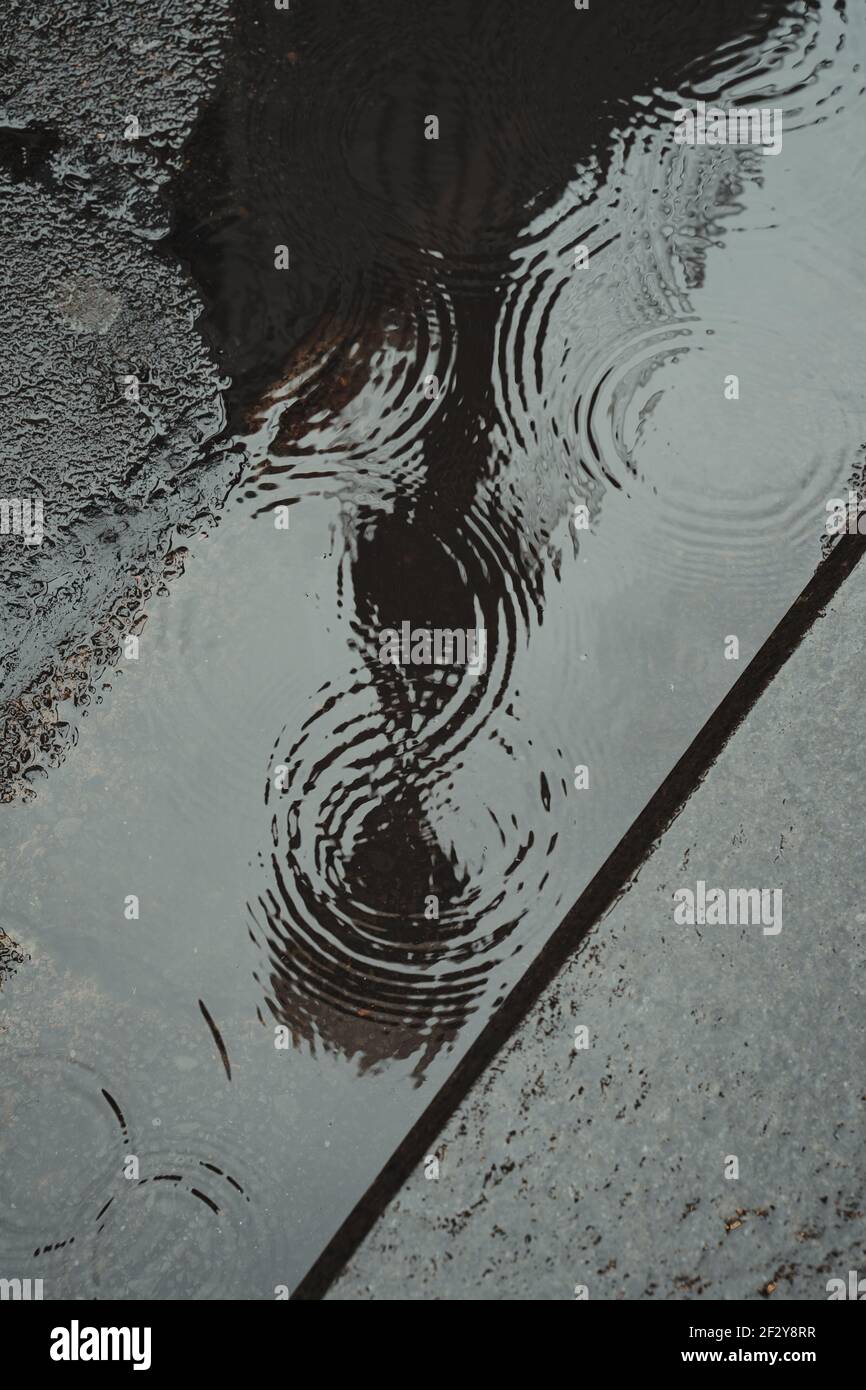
x=596, y=900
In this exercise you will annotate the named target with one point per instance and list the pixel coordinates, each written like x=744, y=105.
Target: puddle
x=271, y=887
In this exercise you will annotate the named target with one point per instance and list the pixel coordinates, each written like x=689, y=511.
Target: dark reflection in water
x=316, y=140
x=326, y=798
x=406, y=362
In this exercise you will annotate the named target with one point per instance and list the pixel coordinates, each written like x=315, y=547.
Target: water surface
x=293, y=906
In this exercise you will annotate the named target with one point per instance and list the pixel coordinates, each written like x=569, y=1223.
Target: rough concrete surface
x=605, y=1167
x=108, y=399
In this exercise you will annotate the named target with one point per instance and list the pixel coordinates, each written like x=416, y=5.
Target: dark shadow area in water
x=408, y=258
x=317, y=141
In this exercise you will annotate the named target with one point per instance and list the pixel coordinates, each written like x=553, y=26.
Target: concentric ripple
x=479, y=403
x=378, y=932
x=179, y=1230
x=63, y=1140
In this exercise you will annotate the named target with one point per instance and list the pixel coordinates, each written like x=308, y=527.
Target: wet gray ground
x=244, y=1179
x=604, y=1167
